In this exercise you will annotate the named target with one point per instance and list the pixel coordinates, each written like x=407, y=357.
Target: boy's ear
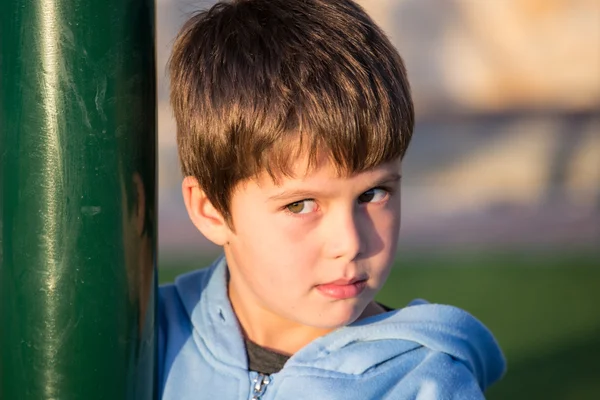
x=203, y=214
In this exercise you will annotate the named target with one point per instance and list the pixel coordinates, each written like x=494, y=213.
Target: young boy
x=293, y=117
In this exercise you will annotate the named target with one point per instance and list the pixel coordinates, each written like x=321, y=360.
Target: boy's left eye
x=302, y=207
x=373, y=195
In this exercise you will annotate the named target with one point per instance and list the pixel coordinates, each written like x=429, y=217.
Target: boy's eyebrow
x=390, y=178
x=289, y=194
x=305, y=194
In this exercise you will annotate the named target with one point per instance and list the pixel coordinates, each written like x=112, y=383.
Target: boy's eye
x=302, y=207
x=373, y=195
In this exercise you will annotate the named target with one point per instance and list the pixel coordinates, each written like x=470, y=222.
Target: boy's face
x=315, y=248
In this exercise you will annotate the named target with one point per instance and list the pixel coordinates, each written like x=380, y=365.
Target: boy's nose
x=344, y=236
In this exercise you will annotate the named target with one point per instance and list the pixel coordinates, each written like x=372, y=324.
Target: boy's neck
x=278, y=334
x=265, y=329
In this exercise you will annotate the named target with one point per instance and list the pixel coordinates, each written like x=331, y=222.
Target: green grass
x=542, y=308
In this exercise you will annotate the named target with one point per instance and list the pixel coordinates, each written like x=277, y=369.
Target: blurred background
x=501, y=184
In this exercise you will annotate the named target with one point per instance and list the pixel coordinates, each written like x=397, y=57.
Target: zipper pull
x=260, y=386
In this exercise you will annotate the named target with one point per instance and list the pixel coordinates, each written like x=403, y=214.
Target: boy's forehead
x=322, y=172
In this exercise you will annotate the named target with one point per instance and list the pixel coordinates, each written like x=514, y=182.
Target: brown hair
x=255, y=82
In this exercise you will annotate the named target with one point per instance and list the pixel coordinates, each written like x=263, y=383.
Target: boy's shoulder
x=180, y=303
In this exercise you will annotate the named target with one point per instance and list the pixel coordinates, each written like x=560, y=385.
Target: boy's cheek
x=293, y=231
x=387, y=222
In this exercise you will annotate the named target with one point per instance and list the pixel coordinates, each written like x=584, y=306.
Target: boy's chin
x=335, y=319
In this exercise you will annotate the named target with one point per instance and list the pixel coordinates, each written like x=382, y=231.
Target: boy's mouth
x=343, y=288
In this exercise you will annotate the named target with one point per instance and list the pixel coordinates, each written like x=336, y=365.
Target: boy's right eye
x=302, y=207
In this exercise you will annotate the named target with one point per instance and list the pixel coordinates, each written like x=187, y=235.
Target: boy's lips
x=343, y=288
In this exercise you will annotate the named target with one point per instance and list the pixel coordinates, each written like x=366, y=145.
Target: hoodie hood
x=422, y=351
x=372, y=341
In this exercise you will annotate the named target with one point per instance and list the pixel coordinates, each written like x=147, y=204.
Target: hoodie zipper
x=260, y=386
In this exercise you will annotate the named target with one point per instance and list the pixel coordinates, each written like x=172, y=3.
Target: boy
x=293, y=117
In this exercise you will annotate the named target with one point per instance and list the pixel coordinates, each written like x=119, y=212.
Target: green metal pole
x=77, y=201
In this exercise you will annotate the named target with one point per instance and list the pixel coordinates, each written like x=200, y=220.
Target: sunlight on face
x=315, y=248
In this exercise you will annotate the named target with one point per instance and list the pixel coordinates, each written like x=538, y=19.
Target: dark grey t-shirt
x=263, y=360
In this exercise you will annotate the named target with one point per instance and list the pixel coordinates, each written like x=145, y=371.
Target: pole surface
x=77, y=201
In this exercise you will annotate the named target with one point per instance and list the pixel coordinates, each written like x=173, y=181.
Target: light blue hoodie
x=421, y=352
